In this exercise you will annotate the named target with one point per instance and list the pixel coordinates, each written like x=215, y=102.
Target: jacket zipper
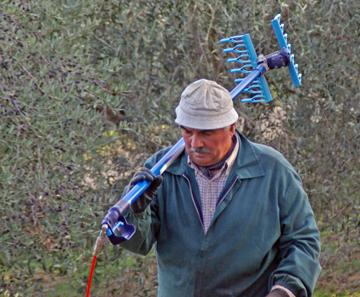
x=198, y=210
x=227, y=191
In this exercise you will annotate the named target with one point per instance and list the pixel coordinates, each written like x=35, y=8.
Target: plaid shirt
x=210, y=188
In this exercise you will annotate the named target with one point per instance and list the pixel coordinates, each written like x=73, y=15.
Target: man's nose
x=196, y=142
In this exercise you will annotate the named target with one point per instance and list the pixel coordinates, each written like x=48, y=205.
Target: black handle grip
x=278, y=59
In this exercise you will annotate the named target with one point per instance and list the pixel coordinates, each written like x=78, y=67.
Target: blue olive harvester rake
x=254, y=84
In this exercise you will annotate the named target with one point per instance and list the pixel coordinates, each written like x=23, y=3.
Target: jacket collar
x=246, y=165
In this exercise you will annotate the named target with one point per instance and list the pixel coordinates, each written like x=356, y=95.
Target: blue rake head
x=282, y=39
x=258, y=91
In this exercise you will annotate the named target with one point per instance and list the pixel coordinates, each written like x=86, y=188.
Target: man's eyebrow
x=210, y=130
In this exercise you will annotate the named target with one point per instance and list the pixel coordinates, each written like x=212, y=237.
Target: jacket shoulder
x=270, y=157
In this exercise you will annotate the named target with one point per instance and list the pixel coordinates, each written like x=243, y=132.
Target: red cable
x=91, y=276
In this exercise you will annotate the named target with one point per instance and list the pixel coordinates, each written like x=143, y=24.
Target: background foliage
x=88, y=90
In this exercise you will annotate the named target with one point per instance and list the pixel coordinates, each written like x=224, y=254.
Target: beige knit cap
x=205, y=105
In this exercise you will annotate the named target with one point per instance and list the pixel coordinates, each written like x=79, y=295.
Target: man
x=229, y=217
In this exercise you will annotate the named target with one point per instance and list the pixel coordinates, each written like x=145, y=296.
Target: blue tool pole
x=123, y=204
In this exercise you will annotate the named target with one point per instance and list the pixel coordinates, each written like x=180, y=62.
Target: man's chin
x=200, y=159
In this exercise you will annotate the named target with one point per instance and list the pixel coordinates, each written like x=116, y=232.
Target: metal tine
x=252, y=91
x=253, y=99
x=242, y=69
x=233, y=39
x=244, y=53
x=239, y=59
x=234, y=49
x=255, y=84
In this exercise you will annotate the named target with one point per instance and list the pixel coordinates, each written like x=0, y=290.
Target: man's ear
x=233, y=128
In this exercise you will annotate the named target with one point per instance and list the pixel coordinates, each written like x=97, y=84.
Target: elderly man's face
x=207, y=147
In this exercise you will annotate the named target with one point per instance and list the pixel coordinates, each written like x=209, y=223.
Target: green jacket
x=263, y=232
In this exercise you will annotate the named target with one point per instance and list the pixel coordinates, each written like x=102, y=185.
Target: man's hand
x=144, y=200
x=277, y=293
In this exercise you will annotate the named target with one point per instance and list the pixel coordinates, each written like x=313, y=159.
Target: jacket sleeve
x=146, y=224
x=299, y=243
